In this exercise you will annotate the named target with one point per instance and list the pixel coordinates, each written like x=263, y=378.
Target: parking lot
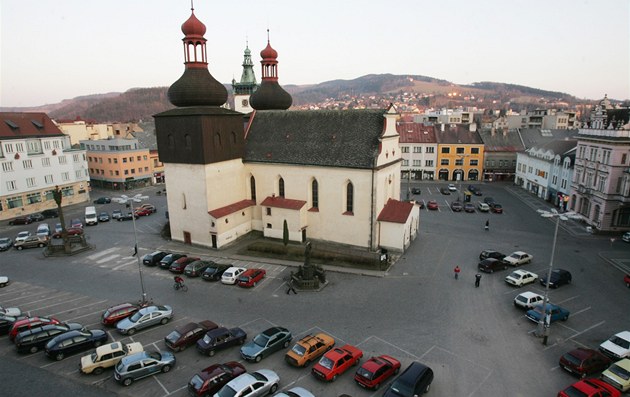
x=475, y=340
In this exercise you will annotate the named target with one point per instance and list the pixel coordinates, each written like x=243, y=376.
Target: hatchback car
x=31, y=242
x=153, y=258
x=519, y=278
x=179, y=265
x=145, y=317
x=251, y=277
x=214, y=271
x=527, y=300
x=485, y=254
x=456, y=206
x=490, y=265
x=103, y=217
x=590, y=388
x=618, y=375
x=376, y=371
x=483, y=207
x=34, y=339
x=103, y=200
x=5, y=243
x=72, y=342
x=584, y=362
x=415, y=380
x=188, y=334
x=555, y=313
x=168, y=260
x=231, y=275
x=252, y=384
x=107, y=356
x=267, y=342
x=118, y=312
x=432, y=205
x=211, y=379
x=140, y=365
x=21, y=220
x=558, y=277
x=196, y=268
x=219, y=339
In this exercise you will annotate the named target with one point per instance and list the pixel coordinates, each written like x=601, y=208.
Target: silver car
x=139, y=365
x=251, y=384
x=145, y=317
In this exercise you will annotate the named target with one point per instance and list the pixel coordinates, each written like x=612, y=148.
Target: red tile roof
x=416, y=133
x=231, y=208
x=395, y=211
x=281, y=202
x=23, y=125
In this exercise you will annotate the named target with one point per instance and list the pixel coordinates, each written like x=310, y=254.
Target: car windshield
x=259, y=376
x=136, y=316
x=326, y=362
x=261, y=340
x=155, y=355
x=243, y=279
x=299, y=350
x=515, y=275
x=226, y=391
x=620, y=372
x=173, y=336
x=572, y=359
x=196, y=382
x=207, y=339
x=515, y=256
x=521, y=299
x=4, y=240
x=402, y=388
x=365, y=373
x=620, y=342
x=93, y=357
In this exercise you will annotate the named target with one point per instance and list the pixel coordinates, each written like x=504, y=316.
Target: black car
x=489, y=200
x=414, y=381
x=127, y=217
x=34, y=339
x=196, y=268
x=445, y=191
x=219, y=339
x=6, y=322
x=72, y=342
x=154, y=258
x=485, y=254
x=103, y=217
x=103, y=200
x=474, y=190
x=558, y=278
x=21, y=220
x=214, y=272
x=37, y=217
x=490, y=265
x=168, y=260
x=415, y=190
x=51, y=213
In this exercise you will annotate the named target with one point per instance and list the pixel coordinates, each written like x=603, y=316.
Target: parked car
x=72, y=231
x=413, y=381
x=76, y=223
x=626, y=280
x=116, y=214
x=31, y=242
x=103, y=200
x=490, y=265
x=153, y=258
x=590, y=388
x=469, y=207
x=5, y=243
x=118, y=312
x=527, y=300
x=584, y=362
x=295, y=392
x=267, y=342
x=415, y=190
x=219, y=339
x=51, y=213
x=488, y=200
x=556, y=313
x=445, y=191
x=518, y=258
x=496, y=208
x=618, y=346
x=558, y=277
x=143, y=318
x=452, y=187
x=251, y=277
x=618, y=375
x=107, y=356
x=43, y=230
x=127, y=217
x=37, y=217
x=140, y=365
x=483, y=207
x=626, y=237
x=214, y=271
x=10, y=311
x=4, y=281
x=251, y=384
x=103, y=216
x=457, y=206
x=34, y=339
x=150, y=207
x=211, y=379
x=475, y=190
x=28, y=323
x=72, y=342
x=519, y=278
x=308, y=349
x=196, y=268
x=21, y=220
x=21, y=236
x=142, y=212
x=375, y=371
x=485, y=254
x=336, y=361
x=58, y=228
x=231, y=275
x=432, y=205
x=179, y=265
x=188, y=334
x=168, y=260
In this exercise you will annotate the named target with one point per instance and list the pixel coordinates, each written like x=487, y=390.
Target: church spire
x=270, y=95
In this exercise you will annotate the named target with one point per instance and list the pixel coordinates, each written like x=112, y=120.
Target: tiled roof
x=395, y=211
x=415, y=133
x=24, y=125
x=499, y=142
x=230, y=209
x=329, y=138
x=535, y=137
x=281, y=202
x=457, y=133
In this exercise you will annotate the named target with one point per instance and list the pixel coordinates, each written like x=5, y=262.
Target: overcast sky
x=55, y=50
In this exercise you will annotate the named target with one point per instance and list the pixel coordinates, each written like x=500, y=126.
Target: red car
x=210, y=380
x=432, y=205
x=626, y=280
x=336, y=361
x=28, y=323
x=179, y=265
x=583, y=362
x=250, y=277
x=376, y=371
x=143, y=212
x=116, y=313
x=188, y=334
x=590, y=388
x=72, y=231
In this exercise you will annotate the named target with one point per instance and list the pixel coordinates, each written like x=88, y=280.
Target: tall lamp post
x=543, y=324
x=123, y=199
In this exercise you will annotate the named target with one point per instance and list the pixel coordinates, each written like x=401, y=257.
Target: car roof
x=528, y=294
x=519, y=253
x=273, y=330
x=623, y=334
x=521, y=272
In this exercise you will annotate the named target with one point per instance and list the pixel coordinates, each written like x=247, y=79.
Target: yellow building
x=460, y=153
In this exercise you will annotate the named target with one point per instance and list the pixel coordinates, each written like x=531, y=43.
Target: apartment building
x=460, y=152
x=418, y=149
x=447, y=116
x=36, y=158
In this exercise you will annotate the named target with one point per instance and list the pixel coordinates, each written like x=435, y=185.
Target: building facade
x=460, y=153
x=418, y=148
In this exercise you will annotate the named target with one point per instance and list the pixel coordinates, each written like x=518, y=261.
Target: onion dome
x=269, y=52
x=197, y=87
x=270, y=95
x=193, y=27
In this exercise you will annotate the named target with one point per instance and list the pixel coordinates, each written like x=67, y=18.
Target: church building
x=332, y=176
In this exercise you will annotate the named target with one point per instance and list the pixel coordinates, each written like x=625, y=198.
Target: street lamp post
x=123, y=199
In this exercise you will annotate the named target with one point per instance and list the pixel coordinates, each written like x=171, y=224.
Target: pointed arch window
x=252, y=187
x=315, y=193
x=217, y=140
x=349, y=198
x=281, y=187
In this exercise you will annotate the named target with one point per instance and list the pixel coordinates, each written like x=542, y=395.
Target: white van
x=90, y=216
x=43, y=230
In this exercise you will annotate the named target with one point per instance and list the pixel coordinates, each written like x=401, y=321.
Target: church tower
x=246, y=87
x=270, y=96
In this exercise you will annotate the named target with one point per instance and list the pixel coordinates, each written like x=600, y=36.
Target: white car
x=251, y=384
x=231, y=274
x=4, y=281
x=10, y=311
x=452, y=187
x=626, y=237
x=618, y=346
x=295, y=392
x=518, y=258
x=521, y=277
x=483, y=207
x=108, y=356
x=528, y=300
x=21, y=236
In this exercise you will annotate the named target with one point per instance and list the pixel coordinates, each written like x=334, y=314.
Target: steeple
x=196, y=87
x=270, y=96
x=247, y=85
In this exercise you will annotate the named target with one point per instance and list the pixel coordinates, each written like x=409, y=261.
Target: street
x=475, y=340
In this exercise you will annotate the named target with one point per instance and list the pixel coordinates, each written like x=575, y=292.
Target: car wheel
x=376, y=386
x=241, y=341
x=41, y=245
x=127, y=381
x=211, y=353
x=182, y=348
x=258, y=358
x=34, y=349
x=166, y=368
x=59, y=356
x=565, y=318
x=334, y=378
x=3, y=285
x=286, y=344
x=19, y=248
x=97, y=343
x=131, y=331
x=97, y=371
x=164, y=321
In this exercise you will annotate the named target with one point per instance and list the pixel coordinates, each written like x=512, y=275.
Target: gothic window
x=349, y=197
x=252, y=187
x=281, y=187
x=217, y=140
x=315, y=193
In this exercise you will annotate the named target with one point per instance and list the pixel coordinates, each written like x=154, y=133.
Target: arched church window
x=349, y=197
x=281, y=187
x=217, y=140
x=252, y=187
x=315, y=193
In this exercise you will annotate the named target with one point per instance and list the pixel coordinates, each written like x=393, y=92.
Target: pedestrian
x=290, y=287
x=477, y=280
x=487, y=224
x=456, y=271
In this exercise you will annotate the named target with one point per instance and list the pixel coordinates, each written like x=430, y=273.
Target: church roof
x=329, y=138
x=395, y=211
x=231, y=208
x=281, y=202
x=24, y=125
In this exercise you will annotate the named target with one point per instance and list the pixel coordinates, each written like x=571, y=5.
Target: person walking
x=290, y=287
x=487, y=224
x=456, y=271
x=477, y=280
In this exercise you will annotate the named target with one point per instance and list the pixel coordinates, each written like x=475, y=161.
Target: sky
x=52, y=50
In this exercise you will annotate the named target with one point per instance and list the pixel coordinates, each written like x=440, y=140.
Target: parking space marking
x=48, y=298
x=588, y=329
x=568, y=299
x=81, y=307
x=581, y=311
x=85, y=315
